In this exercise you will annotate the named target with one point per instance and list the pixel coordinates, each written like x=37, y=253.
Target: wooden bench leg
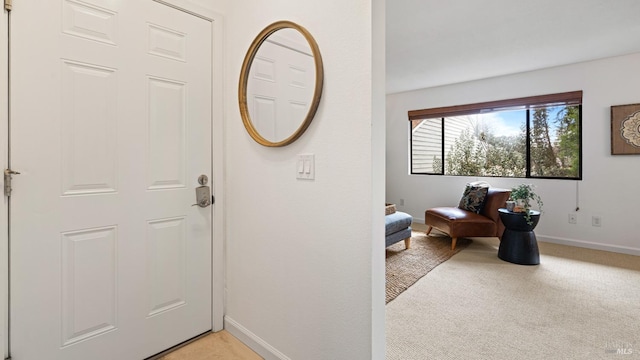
x=407, y=243
x=429, y=230
x=453, y=243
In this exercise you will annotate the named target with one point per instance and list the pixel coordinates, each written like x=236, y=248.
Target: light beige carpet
x=577, y=304
x=405, y=266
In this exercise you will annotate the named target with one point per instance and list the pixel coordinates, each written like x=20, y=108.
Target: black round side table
x=518, y=244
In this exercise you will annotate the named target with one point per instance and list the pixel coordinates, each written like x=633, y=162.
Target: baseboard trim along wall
x=253, y=341
x=588, y=245
x=576, y=243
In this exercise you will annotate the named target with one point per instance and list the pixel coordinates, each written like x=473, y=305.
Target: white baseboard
x=588, y=245
x=576, y=243
x=253, y=341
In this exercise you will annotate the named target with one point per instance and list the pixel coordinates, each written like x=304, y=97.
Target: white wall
x=4, y=207
x=609, y=188
x=299, y=259
x=378, y=133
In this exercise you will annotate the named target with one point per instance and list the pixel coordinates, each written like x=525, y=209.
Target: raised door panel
x=89, y=129
x=89, y=283
x=166, y=241
x=166, y=133
x=89, y=21
x=168, y=43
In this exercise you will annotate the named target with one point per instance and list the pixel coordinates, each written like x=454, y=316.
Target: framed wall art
x=625, y=129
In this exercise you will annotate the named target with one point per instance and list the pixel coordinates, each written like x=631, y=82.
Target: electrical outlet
x=573, y=218
x=596, y=221
x=401, y=202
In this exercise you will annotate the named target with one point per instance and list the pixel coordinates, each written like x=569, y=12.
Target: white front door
x=110, y=130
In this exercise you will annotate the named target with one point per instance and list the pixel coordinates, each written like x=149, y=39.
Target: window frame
x=572, y=98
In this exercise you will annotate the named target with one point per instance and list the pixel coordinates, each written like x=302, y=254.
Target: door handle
x=203, y=203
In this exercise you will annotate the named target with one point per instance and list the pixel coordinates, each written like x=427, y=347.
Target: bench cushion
x=459, y=223
x=396, y=222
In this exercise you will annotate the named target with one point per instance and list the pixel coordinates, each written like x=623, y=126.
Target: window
x=533, y=137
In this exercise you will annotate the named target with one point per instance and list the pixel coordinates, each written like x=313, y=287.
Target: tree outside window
x=538, y=141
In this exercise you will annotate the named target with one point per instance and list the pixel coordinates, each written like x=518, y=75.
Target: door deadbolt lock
x=203, y=196
x=203, y=179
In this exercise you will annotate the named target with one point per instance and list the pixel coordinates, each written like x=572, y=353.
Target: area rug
x=406, y=266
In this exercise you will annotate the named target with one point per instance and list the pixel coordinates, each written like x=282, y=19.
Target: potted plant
x=523, y=195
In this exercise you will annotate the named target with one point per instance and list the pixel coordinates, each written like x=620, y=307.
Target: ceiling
x=438, y=42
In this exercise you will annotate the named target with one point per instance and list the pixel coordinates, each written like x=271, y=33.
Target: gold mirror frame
x=244, y=78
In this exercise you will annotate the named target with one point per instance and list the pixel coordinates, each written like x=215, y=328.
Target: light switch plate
x=306, y=163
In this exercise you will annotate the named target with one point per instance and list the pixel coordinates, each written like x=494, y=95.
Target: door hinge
x=8, y=4
x=213, y=199
x=7, y=181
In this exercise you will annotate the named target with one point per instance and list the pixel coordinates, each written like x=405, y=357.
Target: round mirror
x=280, y=84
